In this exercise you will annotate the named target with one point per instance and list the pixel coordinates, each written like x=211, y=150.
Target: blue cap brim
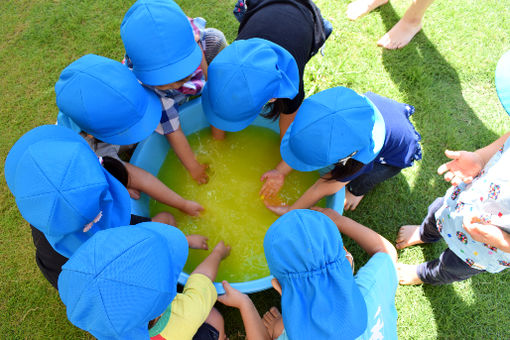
x=143, y=128
x=172, y=72
x=503, y=81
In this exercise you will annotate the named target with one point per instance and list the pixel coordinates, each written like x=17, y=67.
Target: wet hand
x=192, y=208
x=197, y=242
x=232, y=297
x=463, y=167
x=274, y=181
x=222, y=250
x=278, y=209
x=199, y=173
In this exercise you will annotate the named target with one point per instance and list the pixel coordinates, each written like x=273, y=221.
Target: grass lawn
x=446, y=72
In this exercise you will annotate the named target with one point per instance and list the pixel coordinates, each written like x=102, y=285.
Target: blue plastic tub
x=150, y=154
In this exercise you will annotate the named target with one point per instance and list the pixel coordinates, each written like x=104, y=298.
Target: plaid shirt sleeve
x=169, y=115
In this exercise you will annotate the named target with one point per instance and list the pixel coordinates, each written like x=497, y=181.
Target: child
x=403, y=31
x=101, y=97
x=125, y=277
x=473, y=217
x=361, y=139
x=62, y=190
x=169, y=54
x=265, y=65
x=320, y=297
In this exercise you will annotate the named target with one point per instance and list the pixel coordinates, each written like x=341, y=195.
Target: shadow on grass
x=444, y=120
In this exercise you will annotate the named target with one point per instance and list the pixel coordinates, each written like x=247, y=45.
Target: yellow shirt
x=188, y=310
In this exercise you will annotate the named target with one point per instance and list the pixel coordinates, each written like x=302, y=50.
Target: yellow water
x=233, y=211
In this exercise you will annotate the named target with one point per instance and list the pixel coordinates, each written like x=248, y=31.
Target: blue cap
x=159, y=40
x=105, y=100
x=320, y=299
x=330, y=126
x=122, y=278
x=60, y=187
x=243, y=77
x=503, y=81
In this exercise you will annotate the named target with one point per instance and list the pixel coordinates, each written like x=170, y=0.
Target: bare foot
x=407, y=236
x=359, y=8
x=400, y=35
x=351, y=201
x=407, y=274
x=273, y=322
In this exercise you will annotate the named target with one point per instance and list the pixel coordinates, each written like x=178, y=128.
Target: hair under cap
x=330, y=126
x=122, y=278
x=320, y=299
x=243, y=77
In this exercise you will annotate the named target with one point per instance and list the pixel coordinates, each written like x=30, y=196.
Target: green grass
x=446, y=72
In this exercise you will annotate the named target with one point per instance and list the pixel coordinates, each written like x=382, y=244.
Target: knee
x=216, y=320
x=165, y=217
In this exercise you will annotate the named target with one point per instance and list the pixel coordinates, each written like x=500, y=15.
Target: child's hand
x=278, y=209
x=274, y=181
x=192, y=208
x=463, y=168
x=232, y=297
x=197, y=242
x=331, y=213
x=199, y=173
x=486, y=233
x=222, y=250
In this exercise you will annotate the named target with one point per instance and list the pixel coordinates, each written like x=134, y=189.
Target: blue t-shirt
x=401, y=147
x=377, y=281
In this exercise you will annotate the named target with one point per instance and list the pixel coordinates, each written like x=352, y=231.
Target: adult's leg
x=404, y=30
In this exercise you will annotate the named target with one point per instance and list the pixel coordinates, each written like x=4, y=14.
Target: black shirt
x=49, y=261
x=287, y=23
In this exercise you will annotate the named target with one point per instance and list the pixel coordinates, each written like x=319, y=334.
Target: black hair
x=278, y=106
x=117, y=169
x=344, y=170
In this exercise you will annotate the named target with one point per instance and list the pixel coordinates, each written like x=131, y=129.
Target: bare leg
x=273, y=322
x=407, y=274
x=216, y=320
x=351, y=201
x=359, y=8
x=404, y=30
x=407, y=236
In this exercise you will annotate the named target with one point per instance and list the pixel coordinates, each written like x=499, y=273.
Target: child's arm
x=144, y=181
x=487, y=233
x=314, y=194
x=466, y=165
x=253, y=324
x=182, y=149
x=274, y=179
x=285, y=121
x=368, y=239
x=209, y=266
